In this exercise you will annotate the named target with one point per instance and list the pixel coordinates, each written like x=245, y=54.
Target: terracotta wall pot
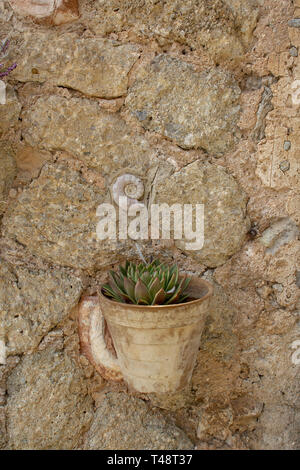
x=157, y=346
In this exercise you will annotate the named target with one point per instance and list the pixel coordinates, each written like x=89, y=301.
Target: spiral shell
x=128, y=186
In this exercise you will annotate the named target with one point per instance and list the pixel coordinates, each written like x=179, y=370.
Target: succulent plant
x=154, y=283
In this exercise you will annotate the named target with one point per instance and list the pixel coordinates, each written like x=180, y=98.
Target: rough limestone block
x=32, y=302
x=56, y=219
x=225, y=220
x=127, y=423
x=100, y=139
x=193, y=109
x=94, y=66
x=48, y=406
x=220, y=29
x=278, y=154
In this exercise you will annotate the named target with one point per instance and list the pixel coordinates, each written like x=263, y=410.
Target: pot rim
x=151, y=307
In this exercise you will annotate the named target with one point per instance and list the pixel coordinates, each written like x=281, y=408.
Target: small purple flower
x=3, y=53
x=8, y=70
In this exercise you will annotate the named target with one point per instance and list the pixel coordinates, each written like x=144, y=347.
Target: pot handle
x=92, y=339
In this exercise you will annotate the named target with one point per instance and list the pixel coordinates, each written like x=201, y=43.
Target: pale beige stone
x=277, y=156
x=251, y=336
x=277, y=168
x=225, y=220
x=54, y=382
x=55, y=217
x=192, y=109
x=128, y=423
x=212, y=28
x=278, y=428
x=32, y=302
x=94, y=66
x=100, y=139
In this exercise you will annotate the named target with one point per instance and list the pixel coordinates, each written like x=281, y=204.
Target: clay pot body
x=157, y=346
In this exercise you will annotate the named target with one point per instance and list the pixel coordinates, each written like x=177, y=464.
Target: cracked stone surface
x=225, y=220
x=94, y=66
x=193, y=109
x=55, y=218
x=127, y=423
x=261, y=285
x=100, y=139
x=220, y=29
x=32, y=302
x=51, y=379
x=282, y=125
x=73, y=138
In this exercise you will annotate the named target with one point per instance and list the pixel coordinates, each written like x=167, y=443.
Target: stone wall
x=201, y=101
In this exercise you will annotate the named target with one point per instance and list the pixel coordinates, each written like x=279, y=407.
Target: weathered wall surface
x=202, y=102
